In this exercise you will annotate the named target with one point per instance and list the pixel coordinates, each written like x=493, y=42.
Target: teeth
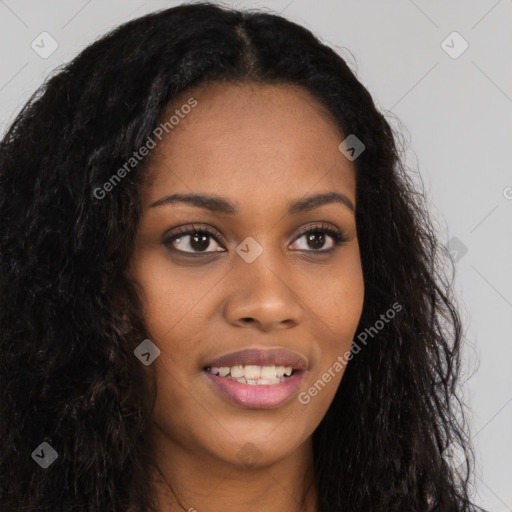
x=272, y=381
x=223, y=371
x=253, y=374
x=268, y=372
x=280, y=370
x=237, y=372
x=257, y=382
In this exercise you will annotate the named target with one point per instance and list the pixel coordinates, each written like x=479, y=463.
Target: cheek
x=175, y=313
x=170, y=298
x=350, y=291
x=336, y=306
x=336, y=297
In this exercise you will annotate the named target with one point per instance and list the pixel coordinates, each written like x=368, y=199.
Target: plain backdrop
x=441, y=72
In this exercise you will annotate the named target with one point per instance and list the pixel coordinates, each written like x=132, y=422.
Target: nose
x=264, y=296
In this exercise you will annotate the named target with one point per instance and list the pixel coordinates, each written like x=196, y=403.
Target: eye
x=315, y=238
x=198, y=239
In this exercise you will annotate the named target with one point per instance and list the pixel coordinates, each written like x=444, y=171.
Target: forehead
x=249, y=139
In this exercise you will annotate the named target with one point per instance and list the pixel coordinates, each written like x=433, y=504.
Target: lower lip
x=257, y=396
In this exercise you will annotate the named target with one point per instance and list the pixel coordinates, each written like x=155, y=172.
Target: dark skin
x=261, y=147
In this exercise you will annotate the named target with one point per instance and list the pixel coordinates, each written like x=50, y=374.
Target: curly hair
x=70, y=318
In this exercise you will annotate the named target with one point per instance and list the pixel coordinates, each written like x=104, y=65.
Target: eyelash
x=338, y=237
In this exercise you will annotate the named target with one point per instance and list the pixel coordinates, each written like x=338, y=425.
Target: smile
x=257, y=378
x=253, y=375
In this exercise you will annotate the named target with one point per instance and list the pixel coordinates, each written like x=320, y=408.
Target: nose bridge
x=262, y=288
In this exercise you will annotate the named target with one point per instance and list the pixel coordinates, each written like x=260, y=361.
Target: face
x=264, y=279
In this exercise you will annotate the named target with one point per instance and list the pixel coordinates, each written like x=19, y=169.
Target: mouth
x=254, y=375
x=257, y=379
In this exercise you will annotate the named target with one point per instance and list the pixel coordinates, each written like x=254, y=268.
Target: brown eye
x=194, y=241
x=316, y=238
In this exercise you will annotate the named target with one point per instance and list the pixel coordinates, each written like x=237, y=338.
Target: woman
x=220, y=290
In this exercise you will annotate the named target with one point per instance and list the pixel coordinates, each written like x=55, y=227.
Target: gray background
x=456, y=116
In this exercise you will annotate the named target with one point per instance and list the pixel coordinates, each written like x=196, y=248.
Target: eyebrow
x=221, y=205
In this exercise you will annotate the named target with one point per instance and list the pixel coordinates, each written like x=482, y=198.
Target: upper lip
x=262, y=357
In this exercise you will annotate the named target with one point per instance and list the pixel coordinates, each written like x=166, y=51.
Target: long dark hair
x=70, y=319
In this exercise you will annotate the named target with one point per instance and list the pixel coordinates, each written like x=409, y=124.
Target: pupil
x=199, y=242
x=319, y=236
